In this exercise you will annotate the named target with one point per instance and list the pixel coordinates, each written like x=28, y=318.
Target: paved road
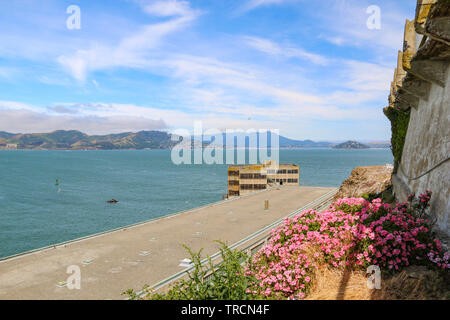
x=146, y=253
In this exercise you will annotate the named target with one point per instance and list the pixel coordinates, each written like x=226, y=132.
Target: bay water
x=37, y=212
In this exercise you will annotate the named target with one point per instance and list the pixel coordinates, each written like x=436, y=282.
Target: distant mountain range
x=289, y=143
x=76, y=140
x=242, y=141
x=286, y=143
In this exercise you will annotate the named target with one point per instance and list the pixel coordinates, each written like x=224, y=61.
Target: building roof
x=260, y=166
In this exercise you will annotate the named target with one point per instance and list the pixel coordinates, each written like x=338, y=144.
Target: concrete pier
x=132, y=257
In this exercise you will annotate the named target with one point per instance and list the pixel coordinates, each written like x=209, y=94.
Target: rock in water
x=374, y=179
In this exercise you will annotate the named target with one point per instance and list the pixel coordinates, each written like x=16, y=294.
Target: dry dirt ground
x=414, y=282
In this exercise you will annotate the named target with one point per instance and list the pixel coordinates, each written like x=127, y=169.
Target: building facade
x=11, y=146
x=244, y=179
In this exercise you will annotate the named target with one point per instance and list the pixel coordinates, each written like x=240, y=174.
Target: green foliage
x=347, y=208
x=132, y=295
x=225, y=281
x=386, y=196
x=368, y=196
x=399, y=127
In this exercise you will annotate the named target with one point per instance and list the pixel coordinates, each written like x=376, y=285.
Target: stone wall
x=427, y=144
x=421, y=91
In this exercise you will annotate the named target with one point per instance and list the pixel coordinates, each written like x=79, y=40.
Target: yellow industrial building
x=244, y=179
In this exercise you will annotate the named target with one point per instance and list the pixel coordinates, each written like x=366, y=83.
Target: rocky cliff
x=366, y=180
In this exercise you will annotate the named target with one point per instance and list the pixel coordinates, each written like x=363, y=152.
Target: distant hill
x=289, y=143
x=285, y=143
x=351, y=145
x=76, y=140
x=5, y=135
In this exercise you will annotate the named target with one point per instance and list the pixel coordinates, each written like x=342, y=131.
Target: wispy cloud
x=92, y=118
x=32, y=122
x=170, y=8
x=253, y=4
x=5, y=72
x=131, y=51
x=272, y=48
x=345, y=22
x=364, y=76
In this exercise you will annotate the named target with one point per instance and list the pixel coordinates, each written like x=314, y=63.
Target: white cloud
x=346, y=23
x=336, y=40
x=169, y=8
x=236, y=79
x=25, y=121
x=76, y=65
x=18, y=117
x=364, y=76
x=253, y=4
x=132, y=50
x=103, y=118
x=5, y=72
x=14, y=105
x=272, y=48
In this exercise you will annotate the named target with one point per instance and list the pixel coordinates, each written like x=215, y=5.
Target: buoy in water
x=57, y=182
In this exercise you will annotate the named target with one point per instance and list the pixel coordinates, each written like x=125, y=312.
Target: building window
x=253, y=186
x=233, y=182
x=252, y=176
x=233, y=173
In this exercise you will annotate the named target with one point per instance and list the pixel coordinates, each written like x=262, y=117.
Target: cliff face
x=374, y=179
x=419, y=109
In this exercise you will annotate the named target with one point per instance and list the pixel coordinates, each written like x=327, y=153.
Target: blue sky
x=311, y=69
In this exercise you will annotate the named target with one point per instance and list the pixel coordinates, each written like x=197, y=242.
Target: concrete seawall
x=146, y=253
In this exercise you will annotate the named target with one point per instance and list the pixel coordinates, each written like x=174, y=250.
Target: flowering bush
x=421, y=204
x=352, y=232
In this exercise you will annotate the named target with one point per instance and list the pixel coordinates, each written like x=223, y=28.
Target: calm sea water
x=35, y=212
